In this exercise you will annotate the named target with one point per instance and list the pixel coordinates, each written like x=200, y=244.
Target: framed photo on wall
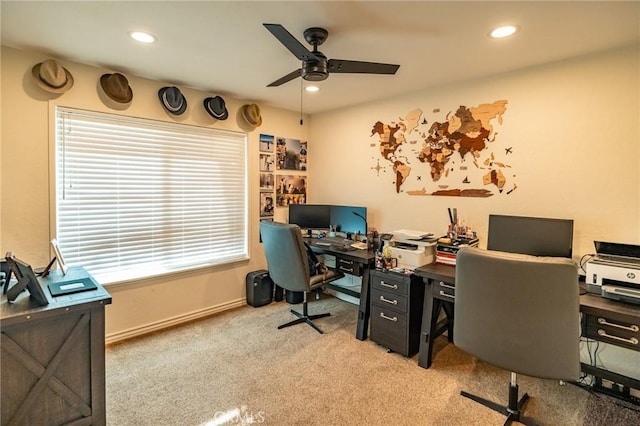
x=291, y=189
x=291, y=154
x=266, y=143
x=266, y=182
x=266, y=163
x=266, y=204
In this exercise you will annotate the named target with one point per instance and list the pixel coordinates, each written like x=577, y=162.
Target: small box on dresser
x=396, y=311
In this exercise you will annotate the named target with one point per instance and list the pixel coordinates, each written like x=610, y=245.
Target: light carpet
x=237, y=368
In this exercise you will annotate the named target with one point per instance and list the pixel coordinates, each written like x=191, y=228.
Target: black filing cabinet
x=396, y=311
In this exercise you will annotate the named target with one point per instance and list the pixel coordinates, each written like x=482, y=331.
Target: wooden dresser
x=53, y=357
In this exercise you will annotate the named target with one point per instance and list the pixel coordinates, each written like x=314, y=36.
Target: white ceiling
x=222, y=47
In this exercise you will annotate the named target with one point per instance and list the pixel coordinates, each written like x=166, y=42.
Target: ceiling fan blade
x=286, y=78
x=345, y=66
x=290, y=42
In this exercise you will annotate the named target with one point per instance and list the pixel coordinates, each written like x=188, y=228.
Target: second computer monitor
x=349, y=219
x=536, y=236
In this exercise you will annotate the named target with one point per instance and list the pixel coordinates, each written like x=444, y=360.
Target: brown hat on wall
x=251, y=114
x=116, y=86
x=52, y=77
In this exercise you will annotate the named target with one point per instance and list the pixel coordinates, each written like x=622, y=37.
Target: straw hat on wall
x=52, y=77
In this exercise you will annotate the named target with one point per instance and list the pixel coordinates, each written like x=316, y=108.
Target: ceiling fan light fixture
x=142, y=37
x=503, y=31
x=312, y=89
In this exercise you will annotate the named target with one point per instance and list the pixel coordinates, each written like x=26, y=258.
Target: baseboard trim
x=170, y=322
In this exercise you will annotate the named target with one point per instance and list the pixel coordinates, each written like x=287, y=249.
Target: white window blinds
x=137, y=198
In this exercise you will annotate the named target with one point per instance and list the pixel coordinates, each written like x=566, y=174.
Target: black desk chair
x=289, y=268
x=520, y=313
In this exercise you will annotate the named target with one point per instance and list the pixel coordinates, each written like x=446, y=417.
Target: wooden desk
x=53, y=357
x=606, y=320
x=358, y=263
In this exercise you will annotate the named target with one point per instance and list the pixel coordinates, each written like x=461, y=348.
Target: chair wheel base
x=512, y=411
x=305, y=319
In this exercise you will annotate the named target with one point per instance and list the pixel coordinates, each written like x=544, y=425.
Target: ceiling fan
x=315, y=65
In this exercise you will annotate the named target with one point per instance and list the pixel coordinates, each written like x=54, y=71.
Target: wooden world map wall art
x=453, y=157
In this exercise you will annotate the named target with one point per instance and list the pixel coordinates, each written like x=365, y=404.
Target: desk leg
x=448, y=310
x=364, y=310
x=426, y=339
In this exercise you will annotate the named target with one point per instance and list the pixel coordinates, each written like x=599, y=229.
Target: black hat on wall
x=216, y=107
x=52, y=77
x=116, y=86
x=172, y=100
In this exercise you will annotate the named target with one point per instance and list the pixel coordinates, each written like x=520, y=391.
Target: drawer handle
x=342, y=268
x=348, y=262
x=442, y=293
x=447, y=286
x=632, y=340
x=624, y=327
x=394, y=319
x=393, y=286
x=393, y=302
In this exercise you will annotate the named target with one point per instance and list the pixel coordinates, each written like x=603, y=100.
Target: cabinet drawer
x=613, y=331
x=390, y=283
x=348, y=266
x=443, y=290
x=389, y=300
x=389, y=329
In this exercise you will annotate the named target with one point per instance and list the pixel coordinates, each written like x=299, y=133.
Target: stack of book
x=447, y=248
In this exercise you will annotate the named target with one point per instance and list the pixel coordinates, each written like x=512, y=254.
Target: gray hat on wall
x=52, y=77
x=172, y=100
x=216, y=108
x=116, y=86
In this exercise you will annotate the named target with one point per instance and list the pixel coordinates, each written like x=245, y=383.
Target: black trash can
x=259, y=287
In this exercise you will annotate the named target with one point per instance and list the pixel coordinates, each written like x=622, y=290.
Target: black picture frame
x=27, y=280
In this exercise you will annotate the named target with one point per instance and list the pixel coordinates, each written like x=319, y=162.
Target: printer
x=614, y=272
x=412, y=248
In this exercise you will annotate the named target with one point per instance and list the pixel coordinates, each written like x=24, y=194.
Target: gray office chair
x=288, y=266
x=520, y=313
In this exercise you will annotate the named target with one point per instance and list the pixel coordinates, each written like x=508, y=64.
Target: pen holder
x=389, y=263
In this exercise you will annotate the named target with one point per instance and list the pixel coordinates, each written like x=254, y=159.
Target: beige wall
x=25, y=169
x=575, y=131
x=574, y=126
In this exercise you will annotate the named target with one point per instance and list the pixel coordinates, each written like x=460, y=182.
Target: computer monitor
x=310, y=216
x=27, y=280
x=349, y=219
x=536, y=236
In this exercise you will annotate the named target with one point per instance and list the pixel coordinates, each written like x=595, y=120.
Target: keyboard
x=333, y=240
x=340, y=247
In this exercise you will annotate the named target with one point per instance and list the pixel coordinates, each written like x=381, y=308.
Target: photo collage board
x=282, y=160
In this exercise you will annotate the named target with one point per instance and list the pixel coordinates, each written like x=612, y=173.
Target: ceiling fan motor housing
x=315, y=70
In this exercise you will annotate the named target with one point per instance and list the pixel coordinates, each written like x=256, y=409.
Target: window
x=137, y=198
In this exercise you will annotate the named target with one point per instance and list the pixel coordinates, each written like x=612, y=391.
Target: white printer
x=614, y=272
x=412, y=248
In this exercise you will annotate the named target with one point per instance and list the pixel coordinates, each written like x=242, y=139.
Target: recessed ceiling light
x=504, y=31
x=142, y=37
x=312, y=88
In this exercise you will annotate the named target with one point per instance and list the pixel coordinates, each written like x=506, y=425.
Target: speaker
x=259, y=288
